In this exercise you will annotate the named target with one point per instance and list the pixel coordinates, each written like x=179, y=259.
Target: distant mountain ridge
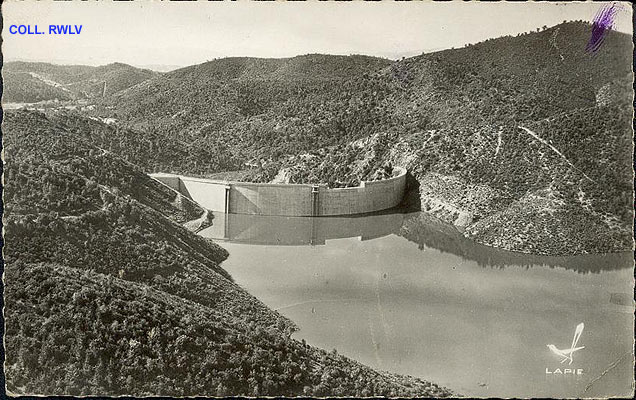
x=309, y=66
x=528, y=77
x=30, y=82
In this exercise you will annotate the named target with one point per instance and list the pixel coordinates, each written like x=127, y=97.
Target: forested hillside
x=62, y=173
x=258, y=108
x=524, y=142
x=22, y=87
x=149, y=150
x=30, y=82
x=105, y=295
x=270, y=108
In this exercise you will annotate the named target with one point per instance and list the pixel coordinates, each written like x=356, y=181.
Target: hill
x=258, y=108
x=105, y=295
x=268, y=108
x=30, y=82
x=527, y=141
x=151, y=151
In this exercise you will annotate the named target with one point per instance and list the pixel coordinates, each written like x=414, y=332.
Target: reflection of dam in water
x=299, y=231
x=416, y=227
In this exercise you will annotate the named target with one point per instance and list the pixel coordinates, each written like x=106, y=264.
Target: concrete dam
x=296, y=200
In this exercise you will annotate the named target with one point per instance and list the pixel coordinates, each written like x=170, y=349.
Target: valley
x=518, y=155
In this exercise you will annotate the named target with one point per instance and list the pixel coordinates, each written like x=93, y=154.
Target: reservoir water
x=406, y=294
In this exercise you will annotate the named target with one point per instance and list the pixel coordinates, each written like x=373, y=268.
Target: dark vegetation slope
x=257, y=108
x=30, y=82
x=64, y=174
x=287, y=106
x=22, y=87
x=151, y=151
x=105, y=295
x=524, y=142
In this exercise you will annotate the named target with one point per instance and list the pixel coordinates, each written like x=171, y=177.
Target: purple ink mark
x=603, y=23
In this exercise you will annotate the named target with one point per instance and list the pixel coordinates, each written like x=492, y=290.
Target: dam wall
x=271, y=199
x=299, y=200
x=207, y=193
x=370, y=196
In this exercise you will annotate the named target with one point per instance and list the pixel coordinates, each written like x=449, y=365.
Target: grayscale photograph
x=318, y=199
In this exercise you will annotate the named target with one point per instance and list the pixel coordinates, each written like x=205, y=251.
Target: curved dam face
x=299, y=200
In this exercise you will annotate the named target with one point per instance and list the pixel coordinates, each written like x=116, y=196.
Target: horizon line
x=395, y=58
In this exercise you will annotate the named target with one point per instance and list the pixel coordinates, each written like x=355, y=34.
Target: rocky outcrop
x=283, y=176
x=454, y=201
x=541, y=223
x=538, y=223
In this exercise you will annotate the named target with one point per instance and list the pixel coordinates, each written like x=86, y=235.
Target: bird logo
x=566, y=354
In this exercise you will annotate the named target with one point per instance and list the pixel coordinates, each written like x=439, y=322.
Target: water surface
x=406, y=294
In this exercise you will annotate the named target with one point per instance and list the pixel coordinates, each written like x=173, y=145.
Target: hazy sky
x=145, y=33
